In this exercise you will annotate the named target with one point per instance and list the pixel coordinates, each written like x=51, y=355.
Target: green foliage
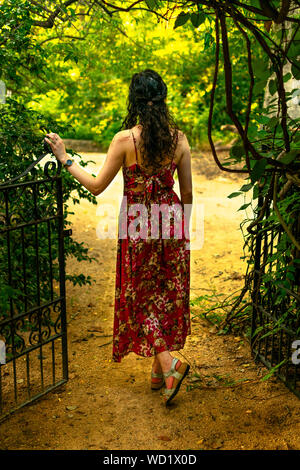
x=21, y=135
x=273, y=370
x=87, y=86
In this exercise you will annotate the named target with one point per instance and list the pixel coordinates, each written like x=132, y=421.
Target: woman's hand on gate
x=57, y=145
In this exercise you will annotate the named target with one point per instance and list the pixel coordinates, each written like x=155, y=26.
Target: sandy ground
x=108, y=405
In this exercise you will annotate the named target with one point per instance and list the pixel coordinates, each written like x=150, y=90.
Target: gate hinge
x=67, y=233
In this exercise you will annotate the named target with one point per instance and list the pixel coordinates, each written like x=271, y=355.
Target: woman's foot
x=157, y=378
x=156, y=367
x=169, y=380
x=174, y=372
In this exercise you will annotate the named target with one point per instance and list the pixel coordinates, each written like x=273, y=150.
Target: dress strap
x=134, y=141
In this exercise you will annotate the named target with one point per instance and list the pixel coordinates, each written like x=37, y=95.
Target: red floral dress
x=152, y=290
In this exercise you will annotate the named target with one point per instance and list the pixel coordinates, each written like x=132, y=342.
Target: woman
x=152, y=315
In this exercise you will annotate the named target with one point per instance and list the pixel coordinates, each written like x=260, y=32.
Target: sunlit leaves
x=71, y=56
x=152, y=4
x=198, y=18
x=181, y=19
x=208, y=40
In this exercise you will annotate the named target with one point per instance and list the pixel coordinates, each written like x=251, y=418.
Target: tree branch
x=212, y=94
x=50, y=21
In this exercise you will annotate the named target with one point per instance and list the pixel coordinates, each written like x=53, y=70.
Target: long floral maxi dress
x=152, y=290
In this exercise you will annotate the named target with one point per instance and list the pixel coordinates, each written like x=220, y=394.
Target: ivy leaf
x=208, y=39
x=68, y=56
x=237, y=151
x=295, y=72
x=244, y=206
x=295, y=92
x=287, y=77
x=272, y=87
x=255, y=3
x=262, y=119
x=234, y=195
x=296, y=138
x=255, y=192
x=197, y=18
x=260, y=70
x=246, y=187
x=259, y=86
x=151, y=4
x=290, y=156
x=181, y=19
x=272, y=122
x=258, y=169
x=294, y=50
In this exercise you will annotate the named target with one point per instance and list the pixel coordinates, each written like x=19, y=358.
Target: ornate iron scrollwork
x=48, y=166
x=33, y=316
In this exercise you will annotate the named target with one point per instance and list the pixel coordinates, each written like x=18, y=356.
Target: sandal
x=159, y=384
x=179, y=375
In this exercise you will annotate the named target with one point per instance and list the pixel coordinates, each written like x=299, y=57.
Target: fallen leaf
x=213, y=329
x=71, y=407
x=164, y=438
x=195, y=379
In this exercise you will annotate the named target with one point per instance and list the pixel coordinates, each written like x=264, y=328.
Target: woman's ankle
x=156, y=366
x=165, y=360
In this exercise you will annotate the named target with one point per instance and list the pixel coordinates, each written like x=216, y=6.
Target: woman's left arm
x=113, y=162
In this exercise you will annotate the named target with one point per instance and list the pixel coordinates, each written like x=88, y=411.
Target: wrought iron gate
x=33, y=331
x=275, y=318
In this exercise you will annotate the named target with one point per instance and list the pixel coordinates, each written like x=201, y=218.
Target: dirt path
x=111, y=405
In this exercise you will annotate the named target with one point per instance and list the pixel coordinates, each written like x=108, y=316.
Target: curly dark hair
x=158, y=142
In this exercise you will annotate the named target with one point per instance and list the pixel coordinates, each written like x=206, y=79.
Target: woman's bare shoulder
x=182, y=144
x=181, y=136
x=122, y=136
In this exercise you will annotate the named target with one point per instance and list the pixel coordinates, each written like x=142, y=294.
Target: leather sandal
x=179, y=375
x=157, y=385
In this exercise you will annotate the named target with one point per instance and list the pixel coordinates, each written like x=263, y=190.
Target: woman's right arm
x=185, y=172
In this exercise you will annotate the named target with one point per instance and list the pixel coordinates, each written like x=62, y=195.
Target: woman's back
x=180, y=160
x=131, y=157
